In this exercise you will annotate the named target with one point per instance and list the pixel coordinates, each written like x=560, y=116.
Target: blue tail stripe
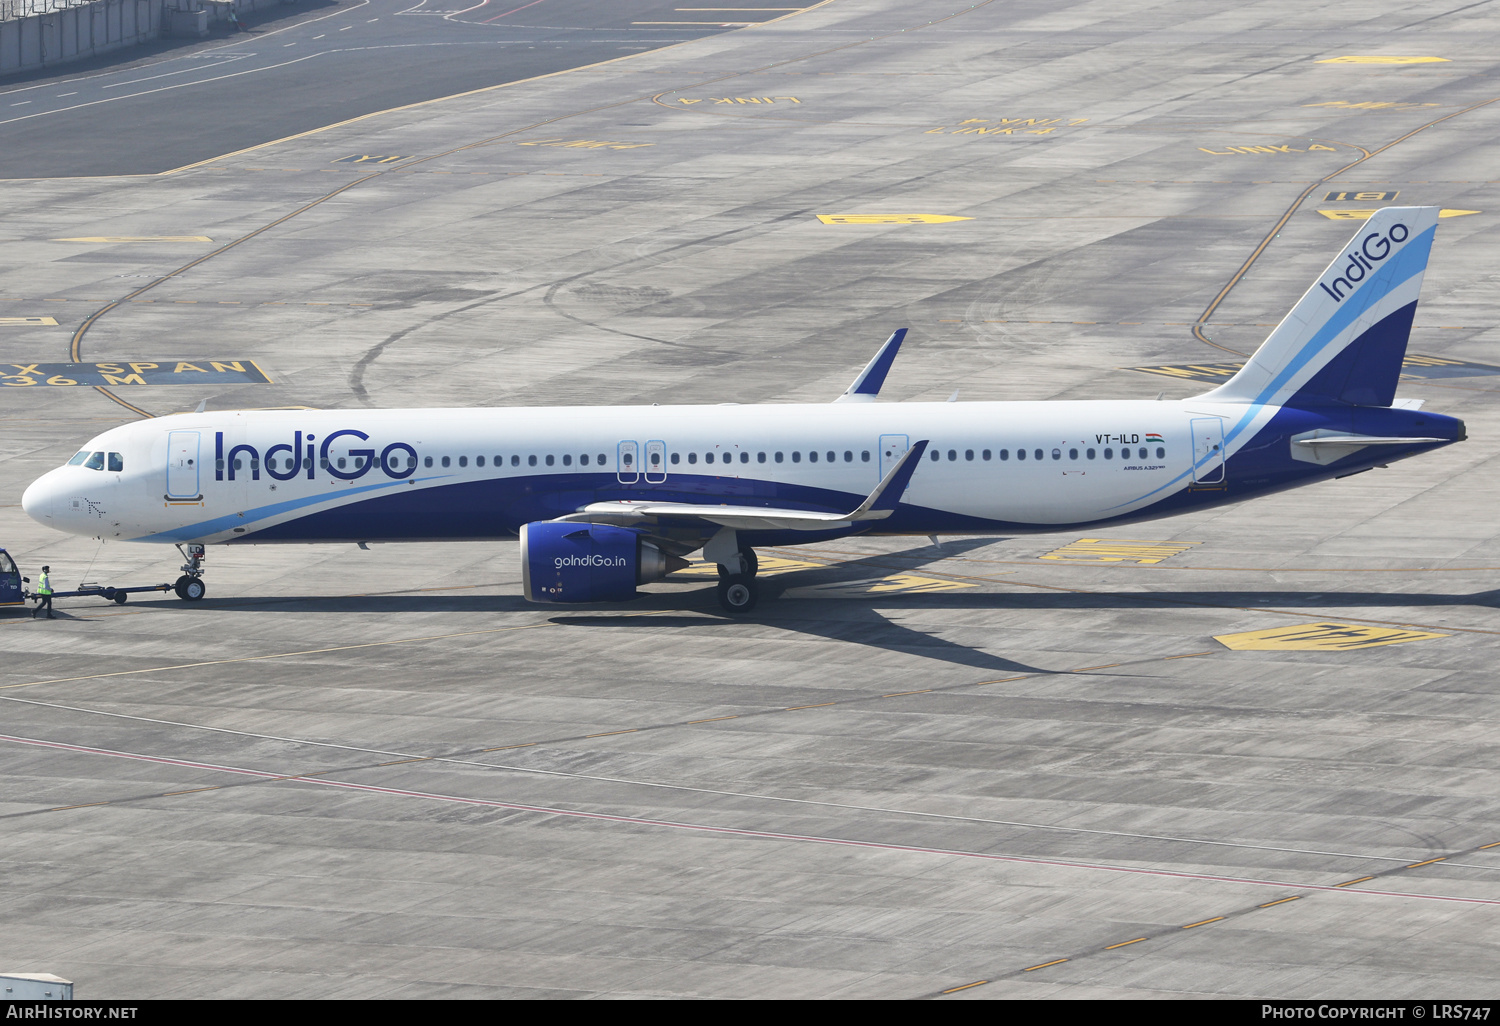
x=1410, y=262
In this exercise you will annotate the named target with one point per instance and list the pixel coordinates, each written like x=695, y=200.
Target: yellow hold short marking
x=1105, y=550
x=890, y=218
x=769, y=566
x=368, y=158
x=907, y=584
x=1352, y=59
x=138, y=238
x=1325, y=636
x=1365, y=215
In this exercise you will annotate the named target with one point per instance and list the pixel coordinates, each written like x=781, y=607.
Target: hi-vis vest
x=44, y=586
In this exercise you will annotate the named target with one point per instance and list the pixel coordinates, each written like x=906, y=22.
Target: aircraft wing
x=880, y=504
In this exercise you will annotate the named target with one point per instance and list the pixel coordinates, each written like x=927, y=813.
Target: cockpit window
x=95, y=461
x=116, y=462
x=76, y=460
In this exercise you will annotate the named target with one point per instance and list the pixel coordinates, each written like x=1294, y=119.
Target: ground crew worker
x=44, y=594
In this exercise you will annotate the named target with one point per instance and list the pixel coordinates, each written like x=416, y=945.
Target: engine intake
x=562, y=562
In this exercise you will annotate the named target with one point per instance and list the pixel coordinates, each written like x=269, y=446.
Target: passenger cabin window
x=1161, y=452
x=692, y=457
x=677, y=457
x=796, y=456
x=1020, y=454
x=567, y=459
x=551, y=460
x=515, y=461
x=463, y=461
x=478, y=461
x=812, y=457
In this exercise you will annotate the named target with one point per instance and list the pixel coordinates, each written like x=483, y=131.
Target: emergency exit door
x=656, y=462
x=182, y=465
x=627, y=462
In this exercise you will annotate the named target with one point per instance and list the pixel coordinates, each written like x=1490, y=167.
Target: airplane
x=605, y=499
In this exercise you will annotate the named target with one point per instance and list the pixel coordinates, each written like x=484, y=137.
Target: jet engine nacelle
x=562, y=562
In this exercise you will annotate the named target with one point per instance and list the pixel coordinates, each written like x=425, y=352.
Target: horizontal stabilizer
x=867, y=385
x=1367, y=440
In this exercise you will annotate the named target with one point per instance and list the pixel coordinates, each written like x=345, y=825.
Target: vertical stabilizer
x=1344, y=341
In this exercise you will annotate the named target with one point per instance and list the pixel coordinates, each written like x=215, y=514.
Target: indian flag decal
x=1151, y=436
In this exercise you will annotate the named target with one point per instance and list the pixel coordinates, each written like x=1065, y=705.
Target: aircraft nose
x=38, y=499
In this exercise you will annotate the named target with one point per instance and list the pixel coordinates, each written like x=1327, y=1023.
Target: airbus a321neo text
x=606, y=499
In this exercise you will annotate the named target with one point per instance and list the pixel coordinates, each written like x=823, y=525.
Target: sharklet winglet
x=867, y=385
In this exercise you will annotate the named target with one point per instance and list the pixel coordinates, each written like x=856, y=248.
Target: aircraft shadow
x=851, y=616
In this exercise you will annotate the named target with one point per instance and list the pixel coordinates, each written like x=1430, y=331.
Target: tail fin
x=1345, y=339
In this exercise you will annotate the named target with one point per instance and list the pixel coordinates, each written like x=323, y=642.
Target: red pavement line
x=731, y=831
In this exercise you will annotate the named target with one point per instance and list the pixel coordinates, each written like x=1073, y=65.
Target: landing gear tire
x=752, y=565
x=738, y=594
x=190, y=589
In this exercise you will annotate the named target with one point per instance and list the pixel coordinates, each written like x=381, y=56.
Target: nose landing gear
x=190, y=586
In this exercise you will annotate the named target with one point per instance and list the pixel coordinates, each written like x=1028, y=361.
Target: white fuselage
x=357, y=475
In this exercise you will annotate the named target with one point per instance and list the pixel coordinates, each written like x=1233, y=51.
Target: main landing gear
x=190, y=586
x=738, y=591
